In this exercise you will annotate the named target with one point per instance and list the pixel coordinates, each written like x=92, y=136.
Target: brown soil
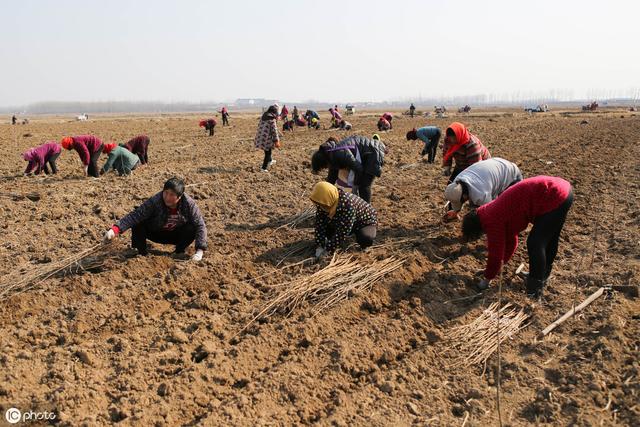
x=152, y=340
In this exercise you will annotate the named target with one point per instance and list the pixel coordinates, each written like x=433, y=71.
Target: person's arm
x=109, y=163
x=201, y=227
x=83, y=152
x=320, y=232
x=445, y=148
x=30, y=166
x=333, y=174
x=496, y=247
x=343, y=226
x=142, y=213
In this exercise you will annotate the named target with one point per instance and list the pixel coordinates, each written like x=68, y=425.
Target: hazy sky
x=326, y=50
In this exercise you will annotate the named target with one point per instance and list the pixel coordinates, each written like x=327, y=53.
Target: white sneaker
x=264, y=170
x=271, y=163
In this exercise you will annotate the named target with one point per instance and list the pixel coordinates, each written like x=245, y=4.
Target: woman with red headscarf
x=463, y=147
x=88, y=148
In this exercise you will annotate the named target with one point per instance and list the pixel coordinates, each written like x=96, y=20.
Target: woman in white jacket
x=480, y=183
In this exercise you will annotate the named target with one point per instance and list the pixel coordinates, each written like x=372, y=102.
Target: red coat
x=139, y=145
x=511, y=213
x=85, y=146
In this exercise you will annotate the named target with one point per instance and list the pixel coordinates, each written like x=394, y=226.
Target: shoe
x=534, y=287
x=264, y=170
x=271, y=163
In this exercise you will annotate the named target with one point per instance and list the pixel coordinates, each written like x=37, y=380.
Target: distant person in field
x=41, y=158
x=209, y=124
x=383, y=124
x=284, y=114
x=288, y=125
x=345, y=125
x=139, y=146
x=309, y=115
x=339, y=215
x=267, y=136
x=479, y=184
x=169, y=217
x=300, y=121
x=543, y=201
x=361, y=156
x=225, y=116
x=119, y=159
x=335, y=114
x=463, y=147
x=430, y=136
x=295, y=114
x=14, y=120
x=388, y=117
x=412, y=110
x=88, y=148
x=314, y=123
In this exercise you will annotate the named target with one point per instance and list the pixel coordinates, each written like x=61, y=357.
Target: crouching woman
x=339, y=215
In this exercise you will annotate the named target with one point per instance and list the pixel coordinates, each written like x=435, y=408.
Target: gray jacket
x=487, y=179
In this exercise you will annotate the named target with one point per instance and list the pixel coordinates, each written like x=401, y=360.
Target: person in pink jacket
x=40, y=158
x=543, y=201
x=88, y=148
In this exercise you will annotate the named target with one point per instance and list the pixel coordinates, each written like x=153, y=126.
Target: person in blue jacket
x=430, y=135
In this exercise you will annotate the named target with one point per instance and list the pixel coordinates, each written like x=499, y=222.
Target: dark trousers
x=225, y=120
x=366, y=235
x=430, y=148
x=542, y=243
x=364, y=187
x=51, y=162
x=454, y=174
x=267, y=159
x=181, y=237
x=211, y=130
x=93, y=169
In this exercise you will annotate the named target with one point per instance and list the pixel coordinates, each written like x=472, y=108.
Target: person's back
x=487, y=179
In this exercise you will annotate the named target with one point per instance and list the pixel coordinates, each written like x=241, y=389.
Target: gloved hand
x=446, y=171
x=450, y=216
x=198, y=255
x=320, y=252
x=109, y=235
x=484, y=284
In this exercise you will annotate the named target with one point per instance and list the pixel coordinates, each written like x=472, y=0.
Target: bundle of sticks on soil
x=297, y=219
x=34, y=197
x=478, y=340
x=20, y=282
x=327, y=287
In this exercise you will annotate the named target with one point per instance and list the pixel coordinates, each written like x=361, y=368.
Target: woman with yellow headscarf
x=339, y=215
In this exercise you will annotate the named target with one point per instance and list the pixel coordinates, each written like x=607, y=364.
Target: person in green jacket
x=120, y=159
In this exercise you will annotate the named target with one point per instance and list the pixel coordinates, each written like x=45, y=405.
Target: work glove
x=446, y=171
x=320, y=252
x=197, y=256
x=450, y=216
x=110, y=234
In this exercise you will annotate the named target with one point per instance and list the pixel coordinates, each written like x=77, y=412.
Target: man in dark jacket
x=169, y=217
x=360, y=155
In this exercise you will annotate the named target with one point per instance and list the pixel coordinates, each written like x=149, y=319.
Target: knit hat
x=326, y=196
x=66, y=142
x=107, y=148
x=453, y=193
x=412, y=134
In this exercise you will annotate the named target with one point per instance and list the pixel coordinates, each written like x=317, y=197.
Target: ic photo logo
x=14, y=416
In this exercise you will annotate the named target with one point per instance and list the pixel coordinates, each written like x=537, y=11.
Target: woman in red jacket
x=543, y=201
x=140, y=146
x=88, y=148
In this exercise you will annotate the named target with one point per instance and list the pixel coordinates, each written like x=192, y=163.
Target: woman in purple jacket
x=41, y=157
x=88, y=148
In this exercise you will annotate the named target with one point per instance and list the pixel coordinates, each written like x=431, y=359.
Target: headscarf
x=28, y=155
x=271, y=113
x=66, y=142
x=107, y=148
x=462, y=138
x=326, y=196
x=376, y=137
